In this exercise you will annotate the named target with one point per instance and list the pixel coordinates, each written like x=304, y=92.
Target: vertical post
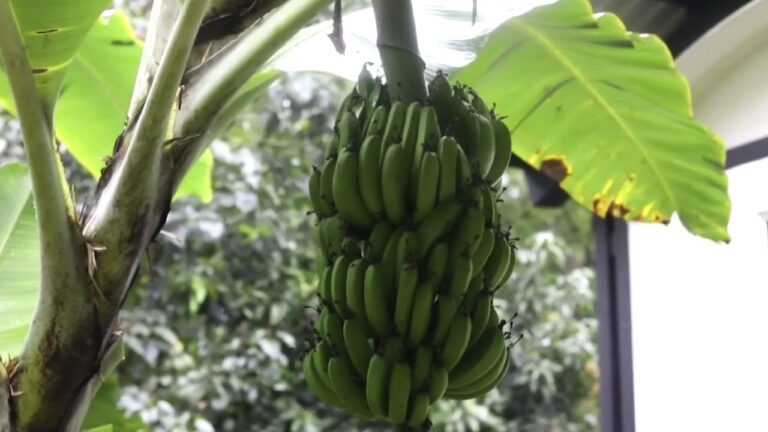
x=617, y=410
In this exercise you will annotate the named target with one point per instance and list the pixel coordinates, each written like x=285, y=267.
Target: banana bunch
x=411, y=253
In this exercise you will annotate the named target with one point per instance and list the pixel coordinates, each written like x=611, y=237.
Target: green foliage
x=216, y=329
x=97, y=91
x=52, y=32
x=625, y=143
x=104, y=415
x=19, y=257
x=98, y=88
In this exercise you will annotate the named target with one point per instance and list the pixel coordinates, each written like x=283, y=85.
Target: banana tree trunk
x=89, y=265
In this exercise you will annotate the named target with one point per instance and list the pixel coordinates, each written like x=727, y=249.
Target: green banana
x=437, y=262
x=370, y=175
x=407, y=248
x=321, y=258
x=480, y=315
x=393, y=190
x=476, y=286
x=489, y=206
x=321, y=261
x=333, y=331
x=422, y=365
x=377, y=241
x=420, y=313
x=456, y=342
x=479, y=105
x=355, y=289
x=503, y=151
x=349, y=132
x=479, y=359
x=461, y=274
x=484, y=248
x=454, y=114
x=389, y=261
x=437, y=224
x=406, y=287
x=332, y=232
x=351, y=103
x=446, y=307
x=375, y=297
x=371, y=102
x=393, y=131
x=464, y=125
x=440, y=91
x=510, y=268
x=350, y=393
x=481, y=154
x=321, y=357
x=346, y=192
x=333, y=147
x=447, y=149
x=410, y=138
x=469, y=231
x=441, y=97
x=365, y=83
x=326, y=285
x=321, y=208
x=426, y=185
x=463, y=171
x=493, y=318
x=339, y=284
x=498, y=262
x=399, y=391
x=419, y=410
x=359, y=349
x=483, y=385
x=411, y=125
x=378, y=121
x=438, y=384
x=426, y=139
x=317, y=385
x=377, y=385
x=320, y=322
x=326, y=183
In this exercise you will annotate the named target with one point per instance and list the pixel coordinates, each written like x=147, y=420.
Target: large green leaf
x=19, y=257
x=97, y=91
x=605, y=113
x=52, y=31
x=95, y=96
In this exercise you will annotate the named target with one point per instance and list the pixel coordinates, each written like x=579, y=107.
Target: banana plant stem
x=399, y=50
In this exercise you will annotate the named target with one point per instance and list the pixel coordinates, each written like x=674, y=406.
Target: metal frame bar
x=614, y=325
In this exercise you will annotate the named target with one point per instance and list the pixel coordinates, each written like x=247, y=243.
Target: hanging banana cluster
x=411, y=254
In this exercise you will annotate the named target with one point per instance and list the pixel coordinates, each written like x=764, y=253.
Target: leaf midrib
x=578, y=76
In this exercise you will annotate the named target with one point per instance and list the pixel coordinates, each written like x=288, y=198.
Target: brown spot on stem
x=39, y=70
x=556, y=168
x=54, y=30
x=127, y=42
